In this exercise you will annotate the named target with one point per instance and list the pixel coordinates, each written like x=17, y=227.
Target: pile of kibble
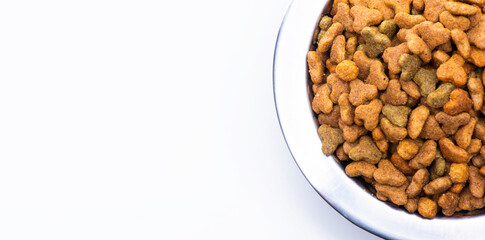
x=398, y=90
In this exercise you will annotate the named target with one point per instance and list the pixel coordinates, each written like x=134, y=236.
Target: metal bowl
x=324, y=173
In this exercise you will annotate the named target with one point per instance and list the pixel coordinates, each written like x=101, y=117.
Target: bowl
x=348, y=196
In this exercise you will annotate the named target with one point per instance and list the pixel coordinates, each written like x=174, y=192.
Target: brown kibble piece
x=450, y=124
x=391, y=57
x=351, y=132
x=433, y=8
x=474, y=147
x=458, y=172
x=459, y=102
x=412, y=205
x=337, y=87
x=321, y=102
x=463, y=136
x=387, y=12
x=406, y=20
x=482, y=170
x=476, y=182
x=452, y=152
x=361, y=92
x=432, y=129
x=401, y=164
x=411, y=89
x=337, y=51
x=437, y=186
x=343, y=16
x=377, y=76
x=416, y=122
x=461, y=41
x=399, y=5
x=394, y=95
x=397, y=195
x=468, y=202
x=346, y=109
x=363, y=63
x=434, y=34
x=366, y=150
x=475, y=87
x=457, y=187
x=315, y=64
x=360, y=168
x=453, y=71
x=454, y=22
x=331, y=138
x=427, y=207
x=335, y=6
x=476, y=35
x=369, y=114
x=420, y=178
x=330, y=119
x=341, y=154
x=417, y=46
x=347, y=70
x=448, y=202
x=477, y=56
x=407, y=149
x=387, y=174
x=425, y=156
x=459, y=8
x=365, y=17
x=326, y=41
x=393, y=133
x=480, y=130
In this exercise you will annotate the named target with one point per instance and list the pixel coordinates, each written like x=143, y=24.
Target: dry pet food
x=398, y=91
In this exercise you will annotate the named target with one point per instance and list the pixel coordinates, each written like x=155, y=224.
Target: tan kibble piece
x=335, y=6
x=393, y=133
x=439, y=57
x=387, y=12
x=391, y=57
x=450, y=124
x=321, y=102
x=468, y=202
x=346, y=109
x=412, y=205
x=448, y=202
x=351, y=47
x=475, y=87
x=361, y=92
x=427, y=207
x=480, y=130
x=458, y=172
x=452, y=152
x=453, y=71
x=437, y=186
x=439, y=97
x=432, y=129
x=315, y=64
x=375, y=42
x=476, y=35
x=454, y=22
x=369, y=114
x=377, y=76
x=394, y=95
x=351, y=132
x=461, y=41
x=347, y=70
x=457, y=187
x=474, y=147
x=337, y=87
x=405, y=20
x=433, y=8
x=399, y=5
x=331, y=138
x=463, y=136
x=330, y=66
x=477, y=56
x=476, y=182
x=425, y=156
x=411, y=89
x=416, y=122
x=337, y=51
x=401, y=164
x=366, y=150
x=347, y=146
x=459, y=8
x=326, y=41
x=397, y=195
x=459, y=102
x=360, y=168
x=434, y=34
x=343, y=16
x=363, y=63
x=420, y=178
x=482, y=170
x=330, y=119
x=365, y=17
x=341, y=154
x=417, y=46
x=387, y=174
x=407, y=149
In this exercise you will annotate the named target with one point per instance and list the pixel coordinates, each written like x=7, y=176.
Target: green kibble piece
x=398, y=115
x=410, y=65
x=375, y=42
x=437, y=168
x=325, y=23
x=439, y=97
x=426, y=79
x=389, y=28
x=331, y=138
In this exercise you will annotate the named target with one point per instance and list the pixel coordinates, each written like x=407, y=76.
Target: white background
x=148, y=120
